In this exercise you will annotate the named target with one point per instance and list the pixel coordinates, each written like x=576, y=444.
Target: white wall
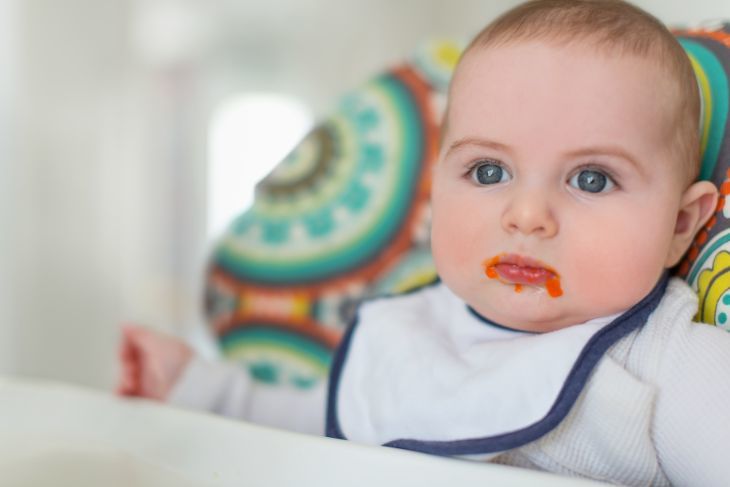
x=102, y=196
x=7, y=95
x=69, y=55
x=107, y=211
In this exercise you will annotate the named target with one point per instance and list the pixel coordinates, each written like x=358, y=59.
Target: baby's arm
x=692, y=418
x=228, y=390
x=162, y=367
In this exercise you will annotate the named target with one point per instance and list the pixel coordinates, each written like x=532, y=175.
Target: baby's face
x=556, y=196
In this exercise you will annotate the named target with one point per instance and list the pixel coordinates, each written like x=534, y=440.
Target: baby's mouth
x=523, y=275
x=519, y=270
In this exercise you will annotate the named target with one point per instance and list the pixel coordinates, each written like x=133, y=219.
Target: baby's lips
x=534, y=276
x=519, y=270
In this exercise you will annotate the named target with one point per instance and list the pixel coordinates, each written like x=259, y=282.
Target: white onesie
x=638, y=399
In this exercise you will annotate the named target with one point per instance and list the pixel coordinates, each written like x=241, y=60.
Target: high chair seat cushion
x=345, y=217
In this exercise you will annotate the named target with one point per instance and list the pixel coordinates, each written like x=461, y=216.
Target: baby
x=555, y=338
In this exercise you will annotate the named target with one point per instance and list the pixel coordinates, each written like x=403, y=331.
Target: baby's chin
x=537, y=322
x=531, y=310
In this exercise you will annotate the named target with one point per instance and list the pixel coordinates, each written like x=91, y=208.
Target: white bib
x=424, y=372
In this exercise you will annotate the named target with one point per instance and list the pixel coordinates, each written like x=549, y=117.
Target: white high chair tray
x=54, y=434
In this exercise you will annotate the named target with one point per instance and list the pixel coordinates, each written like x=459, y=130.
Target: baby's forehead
x=573, y=72
x=586, y=48
x=535, y=65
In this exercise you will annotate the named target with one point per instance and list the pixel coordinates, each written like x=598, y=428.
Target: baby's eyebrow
x=490, y=144
x=607, y=150
x=598, y=150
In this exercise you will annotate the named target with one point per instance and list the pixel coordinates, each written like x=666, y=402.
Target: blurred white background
x=116, y=146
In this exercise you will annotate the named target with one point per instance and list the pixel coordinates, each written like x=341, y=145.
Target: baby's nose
x=530, y=213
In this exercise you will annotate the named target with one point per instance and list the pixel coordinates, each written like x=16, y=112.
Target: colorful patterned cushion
x=346, y=216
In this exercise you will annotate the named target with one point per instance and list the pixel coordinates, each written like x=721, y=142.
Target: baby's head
x=570, y=149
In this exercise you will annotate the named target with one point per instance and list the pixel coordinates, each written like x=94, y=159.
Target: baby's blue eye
x=592, y=181
x=489, y=173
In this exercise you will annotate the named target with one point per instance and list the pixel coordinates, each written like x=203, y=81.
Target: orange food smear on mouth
x=489, y=269
x=552, y=284
x=553, y=287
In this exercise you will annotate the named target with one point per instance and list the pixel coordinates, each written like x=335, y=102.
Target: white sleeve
x=692, y=416
x=228, y=390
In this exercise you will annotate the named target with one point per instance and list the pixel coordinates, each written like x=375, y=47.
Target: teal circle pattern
x=338, y=198
x=723, y=309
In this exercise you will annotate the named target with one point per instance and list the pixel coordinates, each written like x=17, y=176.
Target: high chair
x=345, y=216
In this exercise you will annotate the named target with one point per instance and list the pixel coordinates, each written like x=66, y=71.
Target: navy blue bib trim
x=332, y=428
x=491, y=323
x=576, y=380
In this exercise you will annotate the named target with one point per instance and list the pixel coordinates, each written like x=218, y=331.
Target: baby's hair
x=613, y=26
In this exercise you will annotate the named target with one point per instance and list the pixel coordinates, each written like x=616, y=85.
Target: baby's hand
x=151, y=362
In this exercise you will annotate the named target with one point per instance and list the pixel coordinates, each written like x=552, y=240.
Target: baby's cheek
x=614, y=275
x=452, y=232
x=447, y=254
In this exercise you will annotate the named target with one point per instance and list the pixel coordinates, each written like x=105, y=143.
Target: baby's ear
x=698, y=204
